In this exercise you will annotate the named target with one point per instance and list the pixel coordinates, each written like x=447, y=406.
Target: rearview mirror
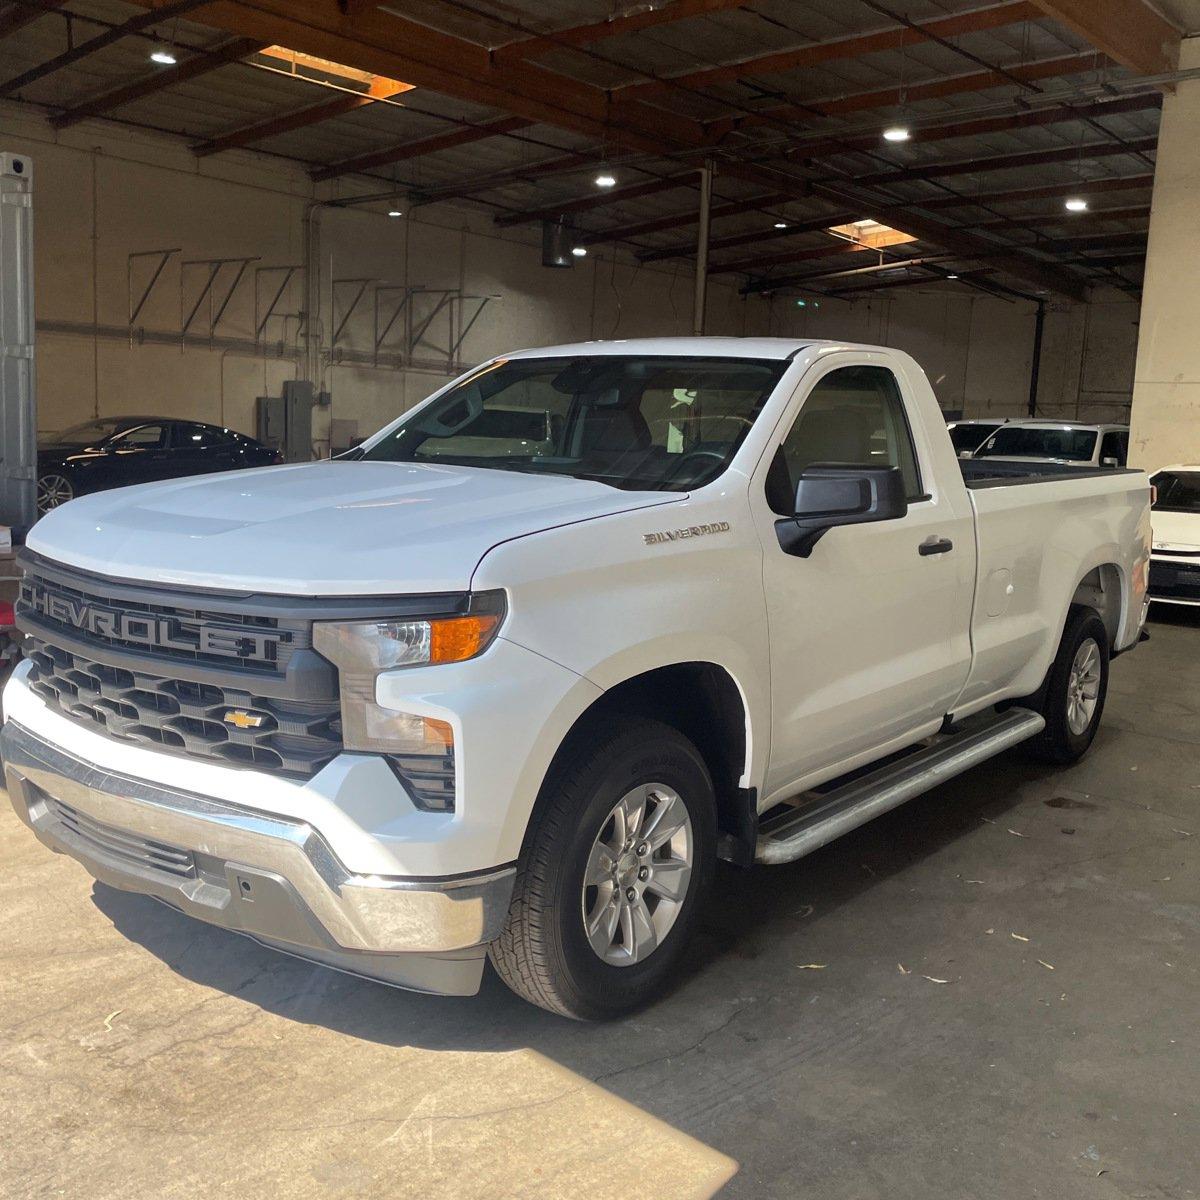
x=828, y=495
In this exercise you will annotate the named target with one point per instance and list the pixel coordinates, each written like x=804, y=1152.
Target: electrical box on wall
x=285, y=422
x=18, y=394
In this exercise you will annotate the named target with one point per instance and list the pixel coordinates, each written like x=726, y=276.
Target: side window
x=854, y=415
x=145, y=437
x=1115, y=445
x=189, y=436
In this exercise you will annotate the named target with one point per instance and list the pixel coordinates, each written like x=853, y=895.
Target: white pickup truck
x=439, y=701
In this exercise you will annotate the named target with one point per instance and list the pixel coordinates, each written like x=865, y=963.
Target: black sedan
x=115, y=451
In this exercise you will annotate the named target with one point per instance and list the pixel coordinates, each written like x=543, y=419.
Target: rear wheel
x=616, y=862
x=1073, y=696
x=53, y=490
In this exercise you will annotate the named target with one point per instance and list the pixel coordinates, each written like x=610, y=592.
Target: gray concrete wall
x=103, y=192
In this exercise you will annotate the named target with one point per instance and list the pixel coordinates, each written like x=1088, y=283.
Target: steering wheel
x=692, y=460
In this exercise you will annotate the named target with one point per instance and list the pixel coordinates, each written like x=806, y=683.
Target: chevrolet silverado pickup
x=442, y=700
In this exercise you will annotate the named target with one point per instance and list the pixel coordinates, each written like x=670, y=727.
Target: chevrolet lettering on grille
x=150, y=629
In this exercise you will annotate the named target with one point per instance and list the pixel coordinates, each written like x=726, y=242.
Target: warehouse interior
x=355, y=202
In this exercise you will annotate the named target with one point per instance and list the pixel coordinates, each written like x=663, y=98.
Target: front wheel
x=1073, y=695
x=617, y=860
x=53, y=490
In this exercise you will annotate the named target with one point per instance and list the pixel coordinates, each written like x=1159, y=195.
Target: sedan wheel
x=52, y=491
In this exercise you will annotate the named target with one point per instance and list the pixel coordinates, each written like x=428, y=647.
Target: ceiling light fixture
x=1076, y=204
x=395, y=212
x=951, y=276
x=897, y=133
x=163, y=55
x=579, y=251
x=606, y=180
x=781, y=224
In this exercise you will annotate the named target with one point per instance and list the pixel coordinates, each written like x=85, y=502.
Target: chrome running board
x=820, y=817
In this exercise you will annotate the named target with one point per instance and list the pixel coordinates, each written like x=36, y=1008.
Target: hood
x=1176, y=530
x=329, y=528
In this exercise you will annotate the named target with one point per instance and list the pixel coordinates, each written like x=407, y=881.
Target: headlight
x=420, y=750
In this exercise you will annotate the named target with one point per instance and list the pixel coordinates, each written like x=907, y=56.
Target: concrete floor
x=1006, y=1006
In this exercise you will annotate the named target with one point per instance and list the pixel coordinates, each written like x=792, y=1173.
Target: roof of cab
x=713, y=347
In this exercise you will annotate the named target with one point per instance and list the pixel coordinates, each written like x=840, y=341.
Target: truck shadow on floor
x=758, y=925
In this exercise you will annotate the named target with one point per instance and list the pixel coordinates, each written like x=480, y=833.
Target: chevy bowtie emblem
x=241, y=719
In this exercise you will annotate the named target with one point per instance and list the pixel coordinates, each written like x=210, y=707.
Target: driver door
x=870, y=635
x=139, y=455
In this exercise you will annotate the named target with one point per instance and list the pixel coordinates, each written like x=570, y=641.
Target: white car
x=968, y=435
x=1175, y=558
x=1059, y=442
x=404, y=711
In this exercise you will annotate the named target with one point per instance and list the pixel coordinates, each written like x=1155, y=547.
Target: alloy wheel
x=1083, y=686
x=637, y=874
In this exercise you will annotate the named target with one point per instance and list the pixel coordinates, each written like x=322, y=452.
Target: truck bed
x=1005, y=472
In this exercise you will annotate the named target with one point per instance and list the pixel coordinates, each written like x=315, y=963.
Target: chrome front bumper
x=271, y=877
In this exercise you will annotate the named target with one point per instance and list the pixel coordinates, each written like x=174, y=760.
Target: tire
x=545, y=953
x=1071, y=723
x=53, y=490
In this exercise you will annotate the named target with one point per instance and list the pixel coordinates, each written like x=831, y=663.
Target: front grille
x=1171, y=581
x=185, y=717
x=138, y=852
x=255, y=641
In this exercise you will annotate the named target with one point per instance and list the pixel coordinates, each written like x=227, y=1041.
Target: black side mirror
x=828, y=495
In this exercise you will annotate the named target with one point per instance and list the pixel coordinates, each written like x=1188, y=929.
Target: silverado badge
x=674, y=535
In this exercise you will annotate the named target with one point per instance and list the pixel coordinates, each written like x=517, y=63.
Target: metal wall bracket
x=216, y=308
x=135, y=306
x=288, y=274
x=360, y=286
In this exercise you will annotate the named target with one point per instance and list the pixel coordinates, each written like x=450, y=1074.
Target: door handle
x=935, y=545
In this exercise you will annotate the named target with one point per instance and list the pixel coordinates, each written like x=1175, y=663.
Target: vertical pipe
x=18, y=364
x=1039, y=328
x=706, y=174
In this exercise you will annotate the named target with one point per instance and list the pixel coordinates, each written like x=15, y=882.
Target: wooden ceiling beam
x=806, y=254
x=600, y=199
x=93, y=45
x=415, y=149
x=1130, y=32
x=931, y=89
x=1079, y=187
x=676, y=220
x=314, y=114
x=793, y=229
x=16, y=16
x=981, y=126
x=384, y=43
x=586, y=35
x=562, y=164
x=190, y=68
x=896, y=37
x=1008, y=162
x=1095, y=216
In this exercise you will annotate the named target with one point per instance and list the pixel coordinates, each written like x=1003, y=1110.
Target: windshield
x=89, y=433
x=659, y=424
x=1178, y=491
x=968, y=437
x=1040, y=441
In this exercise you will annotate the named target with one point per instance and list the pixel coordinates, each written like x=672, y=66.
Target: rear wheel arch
x=1103, y=589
